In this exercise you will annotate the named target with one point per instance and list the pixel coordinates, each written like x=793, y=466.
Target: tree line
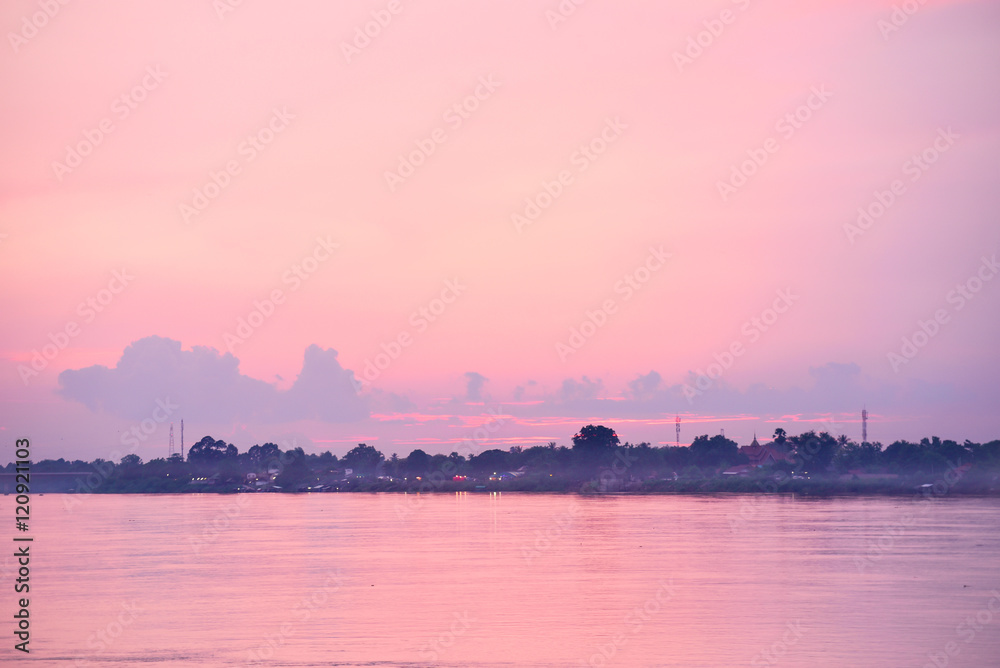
x=593, y=450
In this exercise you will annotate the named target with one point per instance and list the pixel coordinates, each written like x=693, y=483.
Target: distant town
x=597, y=462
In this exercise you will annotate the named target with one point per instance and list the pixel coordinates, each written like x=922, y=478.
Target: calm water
x=509, y=580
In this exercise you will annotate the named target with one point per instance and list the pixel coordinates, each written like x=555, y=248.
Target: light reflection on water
x=511, y=580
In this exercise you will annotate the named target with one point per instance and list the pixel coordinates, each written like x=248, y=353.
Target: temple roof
x=762, y=454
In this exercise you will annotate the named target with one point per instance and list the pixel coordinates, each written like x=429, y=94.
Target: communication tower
x=864, y=425
x=170, y=449
x=677, y=423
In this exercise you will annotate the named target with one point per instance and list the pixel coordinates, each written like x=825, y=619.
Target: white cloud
x=208, y=386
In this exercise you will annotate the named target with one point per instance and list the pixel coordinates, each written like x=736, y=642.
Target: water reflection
x=513, y=580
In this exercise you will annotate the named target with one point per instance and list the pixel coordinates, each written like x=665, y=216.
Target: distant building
x=764, y=455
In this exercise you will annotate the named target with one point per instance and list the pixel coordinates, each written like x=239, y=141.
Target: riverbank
x=984, y=484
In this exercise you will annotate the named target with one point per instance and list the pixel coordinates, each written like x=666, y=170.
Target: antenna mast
x=864, y=425
x=170, y=449
x=677, y=423
x=182, y=439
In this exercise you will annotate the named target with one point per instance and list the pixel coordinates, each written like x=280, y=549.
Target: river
x=490, y=580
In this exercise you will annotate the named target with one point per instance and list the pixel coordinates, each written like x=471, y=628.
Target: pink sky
x=645, y=204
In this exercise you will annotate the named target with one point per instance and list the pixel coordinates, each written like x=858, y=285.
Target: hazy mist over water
x=513, y=580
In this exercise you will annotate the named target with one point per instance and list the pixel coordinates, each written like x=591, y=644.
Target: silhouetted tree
x=417, y=462
x=594, y=445
x=259, y=455
x=209, y=450
x=593, y=438
x=363, y=459
x=815, y=451
x=948, y=450
x=986, y=454
x=853, y=455
x=715, y=452
x=131, y=461
x=394, y=464
x=902, y=455
x=490, y=461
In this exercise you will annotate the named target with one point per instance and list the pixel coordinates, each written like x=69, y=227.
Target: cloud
x=834, y=388
x=474, y=383
x=582, y=390
x=645, y=385
x=323, y=391
x=207, y=386
x=520, y=390
x=381, y=401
